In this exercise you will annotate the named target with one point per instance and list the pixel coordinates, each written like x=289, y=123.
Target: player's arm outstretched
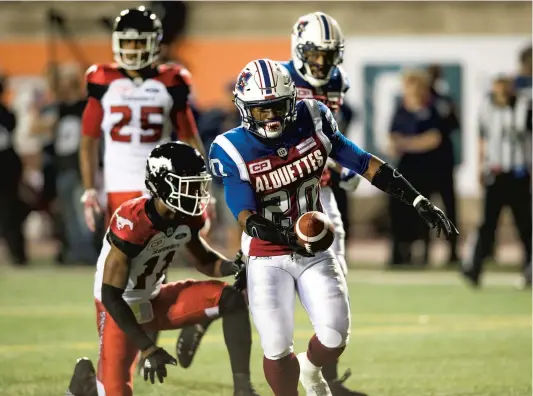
x=210, y=262
x=382, y=175
x=115, y=280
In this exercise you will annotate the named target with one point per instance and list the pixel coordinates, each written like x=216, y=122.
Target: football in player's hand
x=314, y=231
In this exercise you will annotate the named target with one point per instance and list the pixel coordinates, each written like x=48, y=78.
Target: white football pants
x=332, y=211
x=272, y=286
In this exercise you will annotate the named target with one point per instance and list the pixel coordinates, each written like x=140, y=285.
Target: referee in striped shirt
x=505, y=172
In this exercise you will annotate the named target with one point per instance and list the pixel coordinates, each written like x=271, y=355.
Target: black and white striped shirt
x=507, y=133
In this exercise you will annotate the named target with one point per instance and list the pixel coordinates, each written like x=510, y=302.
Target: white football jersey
x=136, y=116
x=136, y=230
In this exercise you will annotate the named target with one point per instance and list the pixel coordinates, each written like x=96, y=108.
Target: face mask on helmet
x=319, y=62
x=268, y=119
x=188, y=194
x=135, y=50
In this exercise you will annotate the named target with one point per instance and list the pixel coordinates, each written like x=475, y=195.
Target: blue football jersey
x=279, y=178
x=331, y=94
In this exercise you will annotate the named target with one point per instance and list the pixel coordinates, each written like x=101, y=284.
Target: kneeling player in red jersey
x=142, y=239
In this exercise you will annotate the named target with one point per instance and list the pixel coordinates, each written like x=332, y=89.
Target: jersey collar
x=146, y=73
x=155, y=218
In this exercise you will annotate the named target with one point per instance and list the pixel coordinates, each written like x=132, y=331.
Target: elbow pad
x=260, y=227
x=389, y=180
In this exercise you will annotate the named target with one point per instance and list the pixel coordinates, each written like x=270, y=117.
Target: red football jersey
x=135, y=115
x=151, y=244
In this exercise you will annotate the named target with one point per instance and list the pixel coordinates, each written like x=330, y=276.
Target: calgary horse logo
x=123, y=222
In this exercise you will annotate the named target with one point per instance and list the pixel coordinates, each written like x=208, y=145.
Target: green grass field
x=412, y=334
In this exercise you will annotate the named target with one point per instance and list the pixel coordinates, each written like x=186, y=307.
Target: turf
x=412, y=334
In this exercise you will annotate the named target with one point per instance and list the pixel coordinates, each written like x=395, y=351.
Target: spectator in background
x=44, y=107
x=522, y=85
x=12, y=210
x=504, y=126
x=450, y=124
x=63, y=122
x=416, y=140
x=173, y=15
x=30, y=147
x=523, y=80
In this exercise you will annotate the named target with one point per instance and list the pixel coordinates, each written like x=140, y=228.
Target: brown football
x=315, y=231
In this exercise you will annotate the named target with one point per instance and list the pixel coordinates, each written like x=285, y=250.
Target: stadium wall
x=223, y=36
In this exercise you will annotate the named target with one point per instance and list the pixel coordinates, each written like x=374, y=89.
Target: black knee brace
x=231, y=301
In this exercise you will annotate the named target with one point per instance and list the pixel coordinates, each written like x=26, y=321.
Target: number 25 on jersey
x=150, y=131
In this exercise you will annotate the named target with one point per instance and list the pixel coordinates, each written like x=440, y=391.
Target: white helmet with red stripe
x=266, y=98
x=317, y=45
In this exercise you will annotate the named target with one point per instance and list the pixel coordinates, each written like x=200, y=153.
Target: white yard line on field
x=424, y=326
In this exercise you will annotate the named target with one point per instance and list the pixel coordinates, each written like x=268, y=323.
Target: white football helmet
x=317, y=45
x=136, y=38
x=265, y=87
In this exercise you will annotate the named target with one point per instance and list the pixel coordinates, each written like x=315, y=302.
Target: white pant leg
x=332, y=211
x=100, y=388
x=324, y=294
x=271, y=293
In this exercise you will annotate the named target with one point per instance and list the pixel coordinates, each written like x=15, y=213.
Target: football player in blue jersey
x=317, y=52
x=317, y=49
x=271, y=167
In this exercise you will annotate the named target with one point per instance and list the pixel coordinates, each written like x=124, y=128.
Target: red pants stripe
x=178, y=304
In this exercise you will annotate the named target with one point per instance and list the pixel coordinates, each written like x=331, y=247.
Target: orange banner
x=212, y=62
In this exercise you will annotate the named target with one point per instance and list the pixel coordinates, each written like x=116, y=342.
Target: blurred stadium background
x=472, y=41
x=480, y=342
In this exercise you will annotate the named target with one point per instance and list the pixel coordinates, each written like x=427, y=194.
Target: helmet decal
x=265, y=96
x=243, y=81
x=317, y=46
x=176, y=173
x=301, y=27
x=159, y=165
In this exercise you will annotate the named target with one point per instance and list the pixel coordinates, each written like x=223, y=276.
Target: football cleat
x=245, y=392
x=83, y=381
x=338, y=389
x=311, y=378
x=243, y=386
x=189, y=341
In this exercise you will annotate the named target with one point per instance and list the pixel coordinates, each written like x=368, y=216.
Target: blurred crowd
x=42, y=175
x=422, y=130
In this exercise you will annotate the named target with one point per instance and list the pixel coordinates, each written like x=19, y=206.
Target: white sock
x=305, y=363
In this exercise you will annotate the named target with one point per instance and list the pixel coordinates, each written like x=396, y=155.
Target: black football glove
x=240, y=274
x=435, y=218
x=292, y=241
x=155, y=364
